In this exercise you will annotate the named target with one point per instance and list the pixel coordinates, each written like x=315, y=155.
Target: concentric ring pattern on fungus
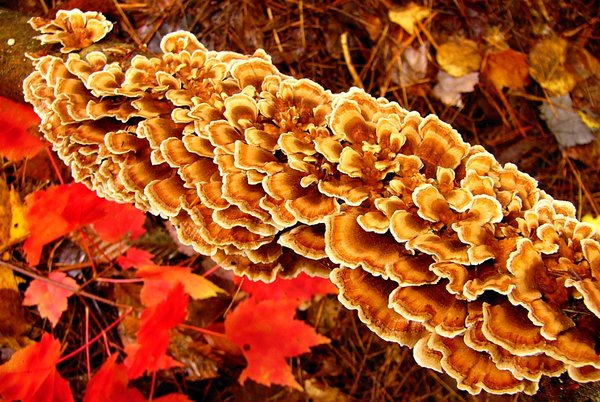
x=439, y=247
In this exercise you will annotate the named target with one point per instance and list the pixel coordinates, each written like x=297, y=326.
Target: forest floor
x=518, y=77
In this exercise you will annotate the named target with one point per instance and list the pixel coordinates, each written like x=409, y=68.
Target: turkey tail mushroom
x=438, y=246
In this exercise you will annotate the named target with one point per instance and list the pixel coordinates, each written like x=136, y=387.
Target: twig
x=127, y=25
x=348, y=60
x=586, y=192
x=202, y=330
x=94, y=339
x=75, y=290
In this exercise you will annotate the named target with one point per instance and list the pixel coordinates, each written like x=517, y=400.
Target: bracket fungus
x=438, y=246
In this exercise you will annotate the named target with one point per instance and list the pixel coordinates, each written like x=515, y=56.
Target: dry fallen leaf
x=565, y=123
x=5, y=214
x=507, y=69
x=13, y=323
x=547, y=66
x=408, y=16
x=320, y=391
x=591, y=120
x=495, y=38
x=18, y=224
x=414, y=66
x=458, y=57
x=8, y=281
x=13, y=227
x=449, y=89
x=582, y=63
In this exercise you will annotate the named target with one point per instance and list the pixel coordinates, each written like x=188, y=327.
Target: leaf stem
x=100, y=335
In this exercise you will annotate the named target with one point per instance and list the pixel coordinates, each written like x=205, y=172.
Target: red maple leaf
x=31, y=376
x=50, y=299
x=110, y=383
x=58, y=210
x=135, y=258
x=159, y=279
x=149, y=353
x=267, y=333
x=302, y=288
x=17, y=122
x=173, y=398
x=118, y=220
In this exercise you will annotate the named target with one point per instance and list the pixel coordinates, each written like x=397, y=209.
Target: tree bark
x=16, y=38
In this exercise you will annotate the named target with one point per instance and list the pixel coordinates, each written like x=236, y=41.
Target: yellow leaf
x=13, y=227
x=459, y=57
x=589, y=120
x=8, y=280
x=547, y=66
x=5, y=214
x=408, y=16
x=594, y=221
x=18, y=224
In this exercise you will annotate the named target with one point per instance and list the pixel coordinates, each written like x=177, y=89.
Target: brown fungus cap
x=432, y=305
x=435, y=244
x=369, y=295
x=475, y=371
x=530, y=367
x=73, y=29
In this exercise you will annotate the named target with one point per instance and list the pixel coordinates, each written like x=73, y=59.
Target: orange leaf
x=135, y=258
x=17, y=122
x=507, y=68
x=50, y=299
x=31, y=376
x=110, y=383
x=267, y=333
x=302, y=288
x=158, y=280
x=149, y=353
x=58, y=210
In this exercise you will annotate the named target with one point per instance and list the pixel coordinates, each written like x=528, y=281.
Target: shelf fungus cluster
x=439, y=247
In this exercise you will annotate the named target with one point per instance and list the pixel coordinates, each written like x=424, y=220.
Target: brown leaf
x=12, y=315
x=13, y=227
x=507, y=69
